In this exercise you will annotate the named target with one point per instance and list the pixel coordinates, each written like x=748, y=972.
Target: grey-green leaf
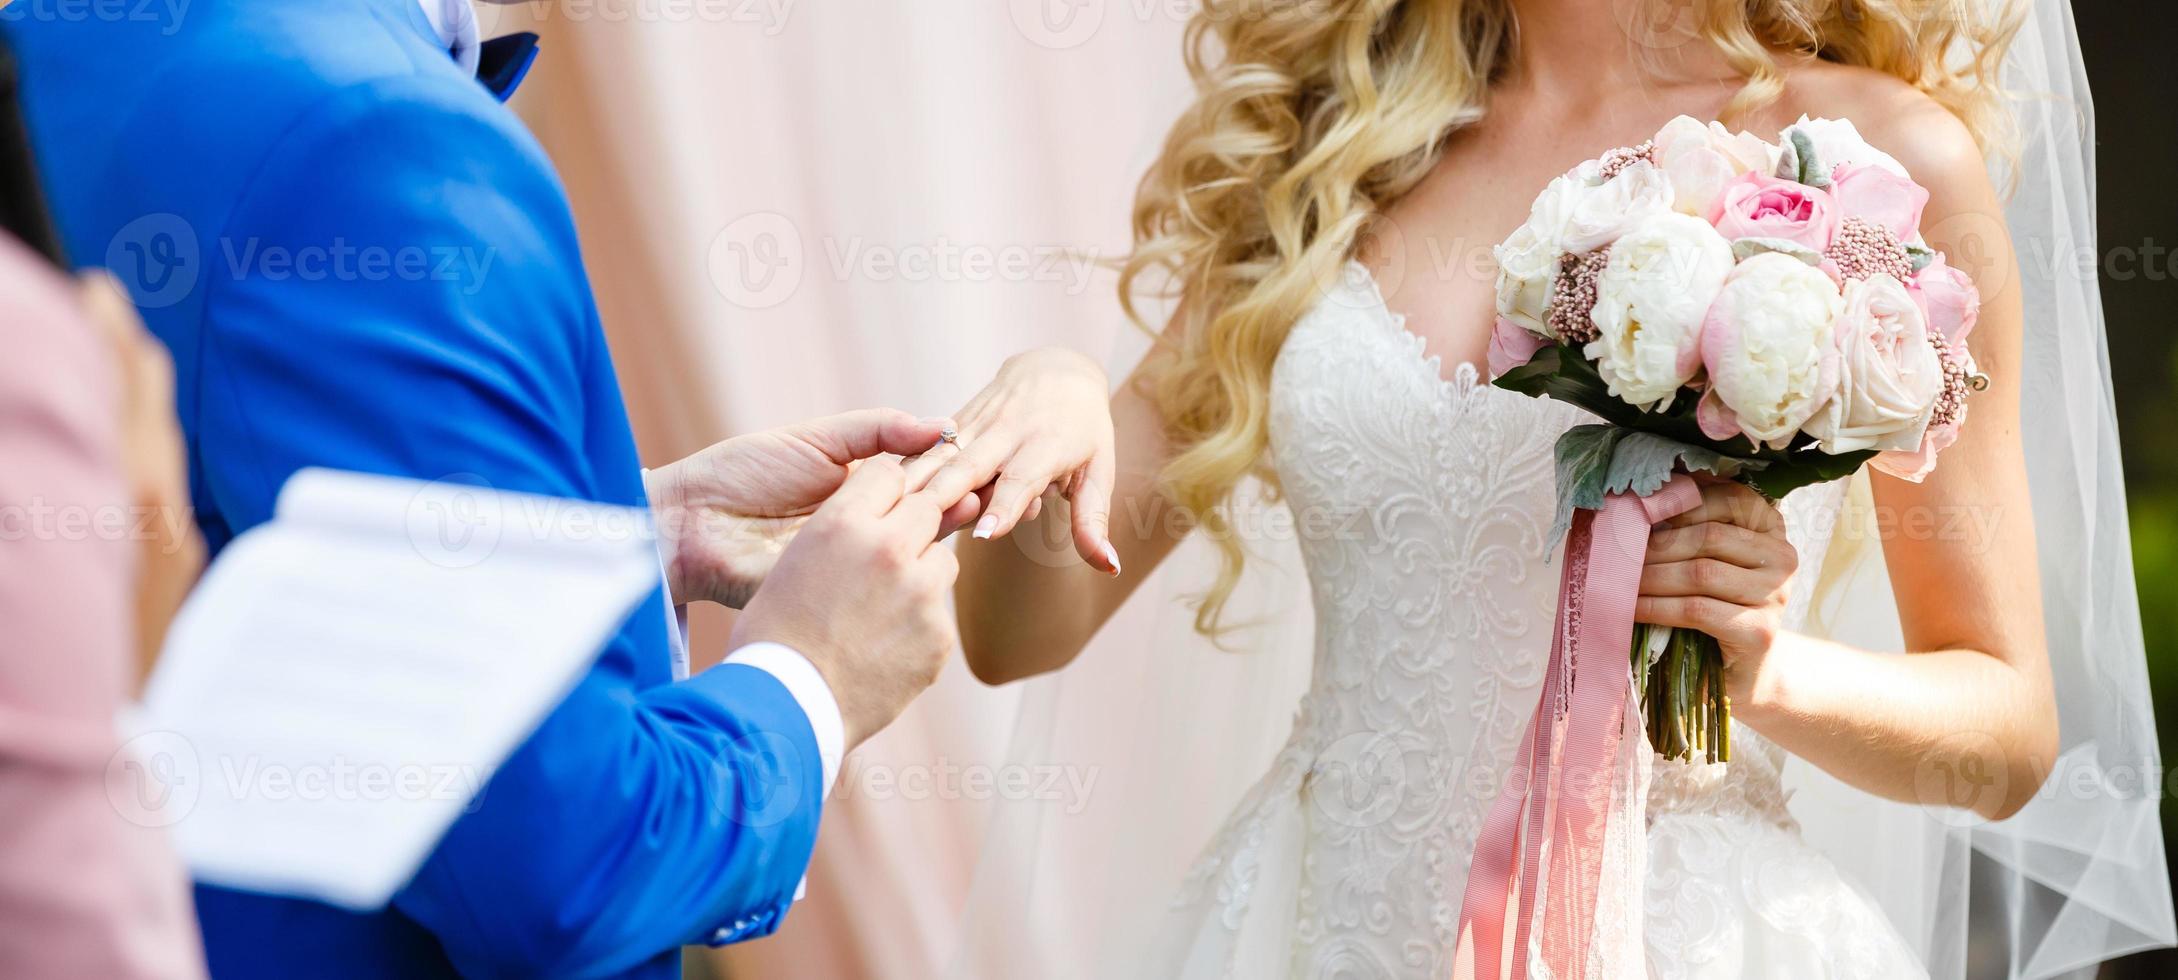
x=1584, y=464
x=1644, y=461
x=1595, y=461
x=1811, y=171
x=1788, y=162
x=1920, y=256
x=1747, y=248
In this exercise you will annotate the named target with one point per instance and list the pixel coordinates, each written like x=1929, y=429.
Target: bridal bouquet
x=1761, y=312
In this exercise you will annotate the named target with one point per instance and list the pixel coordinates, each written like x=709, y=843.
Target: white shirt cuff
x=810, y=691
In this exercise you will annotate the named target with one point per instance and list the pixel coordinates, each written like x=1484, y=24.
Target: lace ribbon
x=1571, y=748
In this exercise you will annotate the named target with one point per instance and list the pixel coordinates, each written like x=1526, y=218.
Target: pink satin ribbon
x=1571, y=750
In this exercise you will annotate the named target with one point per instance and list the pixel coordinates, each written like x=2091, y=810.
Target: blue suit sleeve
x=400, y=292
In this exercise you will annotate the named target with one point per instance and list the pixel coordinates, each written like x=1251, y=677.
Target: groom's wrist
x=661, y=490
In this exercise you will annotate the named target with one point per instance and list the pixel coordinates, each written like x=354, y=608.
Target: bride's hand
x=1722, y=568
x=1044, y=422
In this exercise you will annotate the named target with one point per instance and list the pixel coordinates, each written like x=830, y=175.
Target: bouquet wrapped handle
x=1570, y=751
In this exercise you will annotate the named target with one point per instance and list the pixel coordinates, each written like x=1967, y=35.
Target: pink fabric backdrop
x=794, y=209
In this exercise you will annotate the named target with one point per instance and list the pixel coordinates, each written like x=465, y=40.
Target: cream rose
x=1650, y=301
x=1770, y=348
x=1888, y=375
x=1700, y=159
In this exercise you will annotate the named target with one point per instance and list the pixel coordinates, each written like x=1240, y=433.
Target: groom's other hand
x=725, y=514
x=861, y=592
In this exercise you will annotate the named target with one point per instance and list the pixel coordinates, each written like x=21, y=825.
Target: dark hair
x=22, y=202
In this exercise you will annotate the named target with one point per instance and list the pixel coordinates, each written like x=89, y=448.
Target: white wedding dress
x=1434, y=599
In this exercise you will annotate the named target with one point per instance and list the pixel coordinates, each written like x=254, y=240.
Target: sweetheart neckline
x=1466, y=375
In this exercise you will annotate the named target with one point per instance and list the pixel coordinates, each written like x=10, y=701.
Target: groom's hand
x=862, y=594
x=726, y=513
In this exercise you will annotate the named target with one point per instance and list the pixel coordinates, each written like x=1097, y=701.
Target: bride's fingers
x=1023, y=480
x=1708, y=577
x=920, y=468
x=1732, y=503
x=974, y=465
x=1717, y=539
x=1737, y=627
x=961, y=514
x=1091, y=495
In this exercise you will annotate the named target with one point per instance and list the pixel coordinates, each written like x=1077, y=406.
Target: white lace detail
x=1424, y=502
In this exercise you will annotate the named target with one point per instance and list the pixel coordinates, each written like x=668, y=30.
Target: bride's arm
x=1974, y=695
x=1027, y=601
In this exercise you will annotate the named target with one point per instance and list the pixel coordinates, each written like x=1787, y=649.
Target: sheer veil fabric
x=1177, y=731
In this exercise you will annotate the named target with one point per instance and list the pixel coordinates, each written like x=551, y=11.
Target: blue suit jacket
x=361, y=260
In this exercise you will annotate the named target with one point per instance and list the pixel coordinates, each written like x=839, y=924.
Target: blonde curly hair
x=1313, y=116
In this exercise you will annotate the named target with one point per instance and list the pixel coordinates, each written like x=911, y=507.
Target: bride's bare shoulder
x=1890, y=113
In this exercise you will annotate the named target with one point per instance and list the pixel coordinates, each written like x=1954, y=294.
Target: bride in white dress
x=1323, y=212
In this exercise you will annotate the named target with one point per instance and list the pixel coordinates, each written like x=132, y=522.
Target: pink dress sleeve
x=86, y=889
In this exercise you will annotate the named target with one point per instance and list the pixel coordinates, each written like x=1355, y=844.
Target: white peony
x=1603, y=210
x=1770, y=349
x=1578, y=212
x=1527, y=271
x=1650, y=301
x=1838, y=143
x=1527, y=261
x=1700, y=159
x=1888, y=375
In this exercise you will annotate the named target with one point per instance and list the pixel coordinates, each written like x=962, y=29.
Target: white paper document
x=348, y=675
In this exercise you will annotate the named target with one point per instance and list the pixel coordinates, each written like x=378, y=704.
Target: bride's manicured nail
x=1111, y=557
x=986, y=526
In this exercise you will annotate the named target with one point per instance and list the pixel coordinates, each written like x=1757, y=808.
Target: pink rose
x=1701, y=158
x=1952, y=305
x=1949, y=299
x=1914, y=465
x=1760, y=206
x=1511, y=345
x=1878, y=196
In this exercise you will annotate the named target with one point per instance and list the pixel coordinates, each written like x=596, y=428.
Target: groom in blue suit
x=360, y=259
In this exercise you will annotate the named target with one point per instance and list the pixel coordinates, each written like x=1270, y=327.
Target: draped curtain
x=793, y=209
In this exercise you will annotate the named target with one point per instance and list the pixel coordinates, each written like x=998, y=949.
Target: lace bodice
x=1424, y=501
